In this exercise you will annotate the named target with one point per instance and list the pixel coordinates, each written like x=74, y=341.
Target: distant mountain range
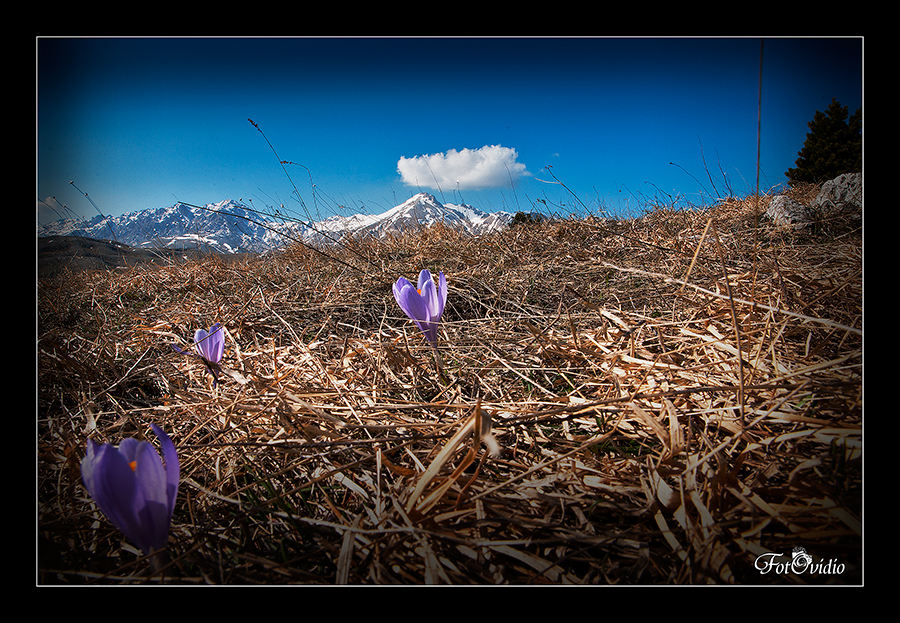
x=231, y=227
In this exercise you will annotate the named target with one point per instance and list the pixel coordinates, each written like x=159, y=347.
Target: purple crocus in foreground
x=133, y=487
x=425, y=304
x=209, y=346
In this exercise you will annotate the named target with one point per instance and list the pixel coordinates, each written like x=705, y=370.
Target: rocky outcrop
x=842, y=196
x=840, y=199
x=786, y=212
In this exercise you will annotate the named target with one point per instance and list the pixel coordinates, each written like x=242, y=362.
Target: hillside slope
x=673, y=399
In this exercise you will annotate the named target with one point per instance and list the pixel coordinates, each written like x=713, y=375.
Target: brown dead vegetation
x=658, y=400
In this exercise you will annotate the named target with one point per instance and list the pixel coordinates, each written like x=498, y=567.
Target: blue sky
x=622, y=122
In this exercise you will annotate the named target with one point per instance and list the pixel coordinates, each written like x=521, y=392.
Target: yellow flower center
x=133, y=465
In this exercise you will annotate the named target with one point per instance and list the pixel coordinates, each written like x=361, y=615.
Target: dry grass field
x=668, y=399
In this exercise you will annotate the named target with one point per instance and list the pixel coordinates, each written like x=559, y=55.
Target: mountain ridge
x=231, y=227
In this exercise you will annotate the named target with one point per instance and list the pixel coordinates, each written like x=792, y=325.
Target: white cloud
x=490, y=166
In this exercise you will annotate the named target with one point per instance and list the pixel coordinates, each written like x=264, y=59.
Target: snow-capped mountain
x=225, y=227
x=229, y=227
x=420, y=210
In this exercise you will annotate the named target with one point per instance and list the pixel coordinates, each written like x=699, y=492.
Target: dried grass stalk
x=642, y=401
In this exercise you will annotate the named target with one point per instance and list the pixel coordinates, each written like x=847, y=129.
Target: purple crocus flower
x=209, y=346
x=133, y=487
x=425, y=304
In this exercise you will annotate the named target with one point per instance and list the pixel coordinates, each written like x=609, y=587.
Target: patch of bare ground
x=659, y=400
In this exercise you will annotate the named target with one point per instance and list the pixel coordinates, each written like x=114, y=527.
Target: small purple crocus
x=424, y=305
x=133, y=487
x=209, y=346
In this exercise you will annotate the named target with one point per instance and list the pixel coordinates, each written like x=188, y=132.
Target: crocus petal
x=424, y=277
x=112, y=483
x=425, y=304
x=152, y=500
x=436, y=297
x=412, y=304
x=133, y=488
x=442, y=292
x=210, y=345
x=416, y=308
x=173, y=467
x=430, y=296
x=217, y=337
x=402, y=282
x=430, y=325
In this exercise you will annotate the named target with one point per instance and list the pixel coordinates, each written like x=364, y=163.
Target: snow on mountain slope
x=225, y=227
x=420, y=210
x=229, y=227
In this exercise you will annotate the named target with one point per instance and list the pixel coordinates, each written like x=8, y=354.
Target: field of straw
x=669, y=399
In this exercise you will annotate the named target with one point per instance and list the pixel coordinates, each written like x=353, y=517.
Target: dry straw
x=643, y=401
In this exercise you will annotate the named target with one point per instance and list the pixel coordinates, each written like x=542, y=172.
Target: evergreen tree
x=526, y=218
x=833, y=146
